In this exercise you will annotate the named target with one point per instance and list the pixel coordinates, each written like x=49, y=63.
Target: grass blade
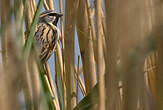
x=30, y=37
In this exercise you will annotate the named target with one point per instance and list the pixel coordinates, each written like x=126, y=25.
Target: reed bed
x=118, y=65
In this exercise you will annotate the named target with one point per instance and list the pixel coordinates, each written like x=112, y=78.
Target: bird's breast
x=46, y=37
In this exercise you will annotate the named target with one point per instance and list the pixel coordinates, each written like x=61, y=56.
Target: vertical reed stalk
x=61, y=23
x=111, y=53
x=62, y=61
x=92, y=27
x=158, y=9
x=69, y=55
x=100, y=66
x=34, y=76
x=86, y=46
x=81, y=84
x=28, y=14
x=4, y=21
x=159, y=40
x=46, y=5
x=63, y=78
x=132, y=51
x=159, y=74
x=77, y=79
x=50, y=4
x=59, y=63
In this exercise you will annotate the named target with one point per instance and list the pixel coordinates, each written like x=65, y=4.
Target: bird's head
x=50, y=16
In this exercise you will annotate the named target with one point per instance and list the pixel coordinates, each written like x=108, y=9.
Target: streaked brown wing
x=46, y=38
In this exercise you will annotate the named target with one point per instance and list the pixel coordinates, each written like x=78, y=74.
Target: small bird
x=46, y=34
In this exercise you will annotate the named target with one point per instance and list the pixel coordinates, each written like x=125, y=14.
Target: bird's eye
x=52, y=14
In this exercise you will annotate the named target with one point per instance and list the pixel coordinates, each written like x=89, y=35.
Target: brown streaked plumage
x=47, y=34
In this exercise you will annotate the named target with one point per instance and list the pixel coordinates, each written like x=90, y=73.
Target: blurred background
x=109, y=57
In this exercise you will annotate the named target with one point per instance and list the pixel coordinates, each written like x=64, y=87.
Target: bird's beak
x=60, y=14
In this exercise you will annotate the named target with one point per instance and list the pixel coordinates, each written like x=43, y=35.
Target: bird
x=46, y=34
